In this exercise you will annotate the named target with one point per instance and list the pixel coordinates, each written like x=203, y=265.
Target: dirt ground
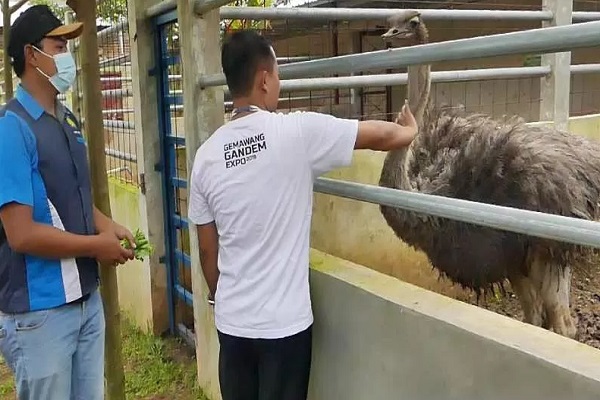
x=585, y=305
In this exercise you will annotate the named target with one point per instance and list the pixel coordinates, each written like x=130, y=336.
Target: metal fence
x=120, y=137
x=516, y=92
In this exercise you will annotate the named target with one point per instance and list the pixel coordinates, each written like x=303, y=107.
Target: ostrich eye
x=395, y=31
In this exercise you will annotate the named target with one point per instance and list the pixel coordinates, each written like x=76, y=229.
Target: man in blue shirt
x=51, y=235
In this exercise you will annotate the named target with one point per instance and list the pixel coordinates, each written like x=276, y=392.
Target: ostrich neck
x=395, y=164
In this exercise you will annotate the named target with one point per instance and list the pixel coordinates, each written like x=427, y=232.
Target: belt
x=80, y=300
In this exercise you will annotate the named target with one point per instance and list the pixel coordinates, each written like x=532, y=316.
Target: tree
x=92, y=105
x=7, y=11
x=236, y=24
x=109, y=10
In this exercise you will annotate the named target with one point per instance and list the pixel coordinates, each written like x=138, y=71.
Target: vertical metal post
x=200, y=54
x=555, y=89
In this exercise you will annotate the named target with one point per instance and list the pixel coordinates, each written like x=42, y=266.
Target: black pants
x=265, y=369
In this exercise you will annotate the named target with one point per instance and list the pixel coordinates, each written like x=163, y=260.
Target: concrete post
x=145, y=98
x=204, y=113
x=555, y=89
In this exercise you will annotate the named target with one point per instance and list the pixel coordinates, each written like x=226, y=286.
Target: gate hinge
x=158, y=167
x=143, y=183
x=152, y=71
x=162, y=259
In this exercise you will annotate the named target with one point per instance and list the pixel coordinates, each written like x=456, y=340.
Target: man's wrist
x=210, y=299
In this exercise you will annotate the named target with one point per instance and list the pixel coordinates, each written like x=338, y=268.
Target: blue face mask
x=66, y=71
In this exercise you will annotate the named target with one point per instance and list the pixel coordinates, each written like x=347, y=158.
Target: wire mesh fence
x=114, y=54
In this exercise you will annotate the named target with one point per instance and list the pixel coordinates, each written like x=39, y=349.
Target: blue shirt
x=43, y=164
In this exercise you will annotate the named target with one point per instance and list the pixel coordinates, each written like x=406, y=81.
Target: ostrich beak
x=396, y=33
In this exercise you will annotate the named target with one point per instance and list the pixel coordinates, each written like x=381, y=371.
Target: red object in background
x=112, y=102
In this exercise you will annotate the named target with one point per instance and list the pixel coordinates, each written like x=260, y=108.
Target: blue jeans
x=56, y=354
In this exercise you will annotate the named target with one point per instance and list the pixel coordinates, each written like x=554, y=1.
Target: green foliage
x=108, y=10
x=143, y=248
x=237, y=24
x=533, y=61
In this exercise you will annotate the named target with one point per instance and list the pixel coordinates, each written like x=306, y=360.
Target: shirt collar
x=29, y=103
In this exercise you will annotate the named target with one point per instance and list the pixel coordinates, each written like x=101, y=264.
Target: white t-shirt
x=254, y=178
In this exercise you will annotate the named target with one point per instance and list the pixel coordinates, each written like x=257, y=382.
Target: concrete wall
x=134, y=277
x=379, y=338
x=356, y=231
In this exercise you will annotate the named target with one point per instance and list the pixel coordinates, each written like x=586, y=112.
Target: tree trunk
x=92, y=107
x=8, y=81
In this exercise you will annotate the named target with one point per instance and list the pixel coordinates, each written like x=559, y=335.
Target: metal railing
x=542, y=40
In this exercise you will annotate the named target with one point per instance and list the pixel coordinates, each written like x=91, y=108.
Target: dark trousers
x=265, y=369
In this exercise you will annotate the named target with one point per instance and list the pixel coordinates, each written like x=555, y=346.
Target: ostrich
x=502, y=162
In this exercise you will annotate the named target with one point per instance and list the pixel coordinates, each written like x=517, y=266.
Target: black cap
x=35, y=24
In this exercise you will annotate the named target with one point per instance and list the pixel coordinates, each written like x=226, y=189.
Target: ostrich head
x=406, y=25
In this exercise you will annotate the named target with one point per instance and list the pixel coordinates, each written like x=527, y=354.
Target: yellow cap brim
x=70, y=31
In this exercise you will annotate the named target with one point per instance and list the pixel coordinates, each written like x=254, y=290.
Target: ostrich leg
x=553, y=283
x=530, y=299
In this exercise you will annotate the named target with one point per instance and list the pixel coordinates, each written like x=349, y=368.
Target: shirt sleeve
x=199, y=211
x=329, y=141
x=15, y=164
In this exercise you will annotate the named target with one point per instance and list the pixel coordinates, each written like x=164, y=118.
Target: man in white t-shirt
x=251, y=198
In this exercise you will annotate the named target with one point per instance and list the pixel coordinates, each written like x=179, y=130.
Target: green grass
x=155, y=368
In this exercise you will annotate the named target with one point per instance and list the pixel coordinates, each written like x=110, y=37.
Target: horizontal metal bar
x=346, y=82
x=117, y=93
x=555, y=227
x=585, y=16
x=283, y=100
x=185, y=295
x=183, y=258
x=118, y=111
x=374, y=14
x=179, y=183
x=176, y=140
x=180, y=222
x=123, y=25
x=161, y=8
x=542, y=40
x=585, y=68
x=203, y=6
x=120, y=155
x=116, y=124
x=115, y=79
x=120, y=60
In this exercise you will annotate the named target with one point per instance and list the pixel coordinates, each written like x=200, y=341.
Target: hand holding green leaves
x=143, y=248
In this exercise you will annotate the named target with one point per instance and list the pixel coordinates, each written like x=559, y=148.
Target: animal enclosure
x=498, y=85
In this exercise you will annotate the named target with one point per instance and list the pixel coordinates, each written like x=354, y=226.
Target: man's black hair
x=242, y=54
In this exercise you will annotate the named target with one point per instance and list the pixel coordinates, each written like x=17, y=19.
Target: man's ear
x=263, y=80
x=30, y=55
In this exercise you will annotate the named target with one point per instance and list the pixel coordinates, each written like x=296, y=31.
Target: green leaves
x=143, y=247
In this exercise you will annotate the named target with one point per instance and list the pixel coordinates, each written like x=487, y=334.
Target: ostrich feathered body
x=502, y=162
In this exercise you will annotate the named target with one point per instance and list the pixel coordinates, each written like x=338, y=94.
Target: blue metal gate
x=168, y=71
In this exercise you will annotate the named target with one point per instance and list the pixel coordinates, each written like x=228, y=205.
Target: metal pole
x=359, y=81
x=543, y=40
x=585, y=16
x=202, y=6
x=548, y=226
x=374, y=14
x=585, y=68
x=161, y=8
